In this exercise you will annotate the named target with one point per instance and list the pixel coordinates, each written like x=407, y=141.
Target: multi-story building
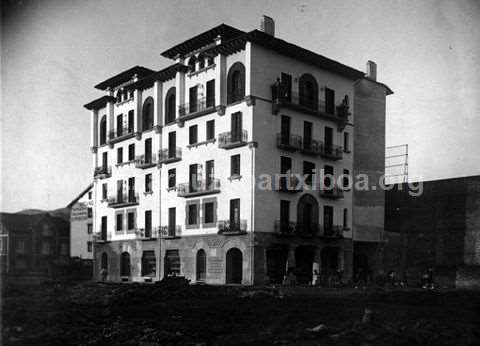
x=184, y=158
x=81, y=225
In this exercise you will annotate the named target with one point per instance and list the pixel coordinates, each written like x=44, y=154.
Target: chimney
x=371, y=70
x=268, y=25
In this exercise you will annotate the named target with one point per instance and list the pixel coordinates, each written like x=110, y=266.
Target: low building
x=439, y=228
x=81, y=225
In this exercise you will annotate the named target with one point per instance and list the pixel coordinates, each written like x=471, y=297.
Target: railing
x=230, y=139
x=289, y=228
x=120, y=132
x=289, y=142
x=145, y=233
x=333, y=231
x=170, y=155
x=101, y=236
x=143, y=161
x=332, y=192
x=123, y=200
x=289, y=183
x=330, y=151
x=198, y=188
x=102, y=172
x=235, y=96
x=232, y=226
x=170, y=231
x=200, y=105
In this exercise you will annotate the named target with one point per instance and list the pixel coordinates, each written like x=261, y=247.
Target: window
x=235, y=214
x=201, y=61
x=345, y=218
x=89, y=246
x=172, y=178
x=209, y=173
x=104, y=191
x=192, y=214
x=191, y=64
x=103, y=130
x=329, y=101
x=328, y=139
x=346, y=178
x=103, y=227
x=307, y=135
x=286, y=92
x=147, y=114
x=308, y=91
x=148, y=223
x=89, y=228
x=148, y=150
x=119, y=125
x=119, y=155
x=210, y=130
x=208, y=212
x=148, y=182
x=284, y=216
x=90, y=194
x=149, y=263
x=130, y=220
x=170, y=105
x=119, y=227
x=346, y=142
x=210, y=102
x=235, y=165
x=131, y=152
x=131, y=120
x=285, y=164
x=192, y=99
x=105, y=160
x=20, y=247
x=131, y=189
x=89, y=212
x=210, y=61
x=236, y=83
x=119, y=190
x=192, y=134
x=308, y=169
x=329, y=179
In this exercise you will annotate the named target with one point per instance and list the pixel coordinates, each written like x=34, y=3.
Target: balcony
x=170, y=231
x=120, y=134
x=334, y=192
x=102, y=172
x=170, y=155
x=290, y=183
x=147, y=234
x=144, y=162
x=229, y=140
x=289, y=228
x=199, y=188
x=332, y=152
x=124, y=200
x=289, y=142
x=311, y=147
x=332, y=232
x=191, y=110
x=231, y=227
x=101, y=237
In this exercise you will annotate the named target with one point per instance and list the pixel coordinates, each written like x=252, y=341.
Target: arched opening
x=147, y=114
x=236, y=83
x=304, y=257
x=276, y=263
x=307, y=215
x=119, y=96
x=170, y=105
x=308, y=91
x=201, y=265
x=201, y=61
x=104, y=261
x=103, y=130
x=191, y=64
x=125, y=264
x=234, y=270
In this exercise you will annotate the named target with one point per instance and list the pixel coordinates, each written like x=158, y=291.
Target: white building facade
x=183, y=158
x=81, y=225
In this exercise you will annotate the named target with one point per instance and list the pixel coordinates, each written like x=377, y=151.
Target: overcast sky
x=54, y=52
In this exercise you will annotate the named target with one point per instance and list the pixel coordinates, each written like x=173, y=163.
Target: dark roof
x=15, y=222
x=80, y=196
x=225, y=31
x=162, y=75
x=99, y=103
x=123, y=77
x=389, y=91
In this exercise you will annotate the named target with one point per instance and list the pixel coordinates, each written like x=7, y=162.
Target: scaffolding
x=396, y=164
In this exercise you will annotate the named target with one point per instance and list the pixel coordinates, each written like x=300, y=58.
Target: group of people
x=331, y=279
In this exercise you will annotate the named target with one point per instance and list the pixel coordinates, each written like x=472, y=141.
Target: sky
x=54, y=51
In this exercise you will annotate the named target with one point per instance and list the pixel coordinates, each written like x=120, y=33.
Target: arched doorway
x=304, y=257
x=201, y=265
x=307, y=215
x=125, y=264
x=329, y=256
x=234, y=270
x=104, y=261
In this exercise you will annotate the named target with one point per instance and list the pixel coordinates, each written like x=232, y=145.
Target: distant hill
x=31, y=211
x=63, y=213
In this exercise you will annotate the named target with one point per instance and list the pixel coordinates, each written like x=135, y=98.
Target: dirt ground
x=172, y=313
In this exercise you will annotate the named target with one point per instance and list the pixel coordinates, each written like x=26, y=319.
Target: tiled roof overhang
x=162, y=75
x=99, y=103
x=123, y=77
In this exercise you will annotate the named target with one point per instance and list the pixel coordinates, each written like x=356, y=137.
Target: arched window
x=201, y=61
x=201, y=265
x=125, y=264
x=104, y=261
x=307, y=215
x=170, y=106
x=103, y=130
x=147, y=114
x=234, y=268
x=308, y=91
x=191, y=64
x=236, y=83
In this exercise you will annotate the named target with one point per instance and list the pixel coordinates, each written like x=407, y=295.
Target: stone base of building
x=244, y=259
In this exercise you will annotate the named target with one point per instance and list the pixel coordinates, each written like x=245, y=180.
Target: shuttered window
x=235, y=165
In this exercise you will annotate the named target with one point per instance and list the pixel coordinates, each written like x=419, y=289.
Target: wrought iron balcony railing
x=171, y=231
x=102, y=172
x=333, y=192
x=332, y=231
x=99, y=237
x=227, y=227
x=120, y=133
x=170, y=155
x=228, y=140
x=144, y=161
x=289, y=183
x=197, y=188
x=330, y=151
x=200, y=105
x=123, y=200
x=289, y=142
x=147, y=233
x=289, y=228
